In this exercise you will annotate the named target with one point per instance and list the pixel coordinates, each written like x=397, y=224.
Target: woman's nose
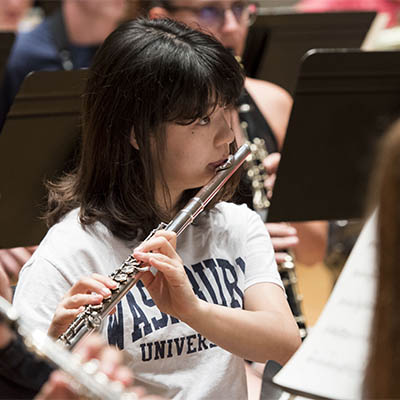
x=225, y=133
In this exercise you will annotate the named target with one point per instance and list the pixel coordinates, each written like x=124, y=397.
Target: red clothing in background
x=391, y=7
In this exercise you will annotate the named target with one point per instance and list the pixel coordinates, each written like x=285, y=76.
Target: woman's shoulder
x=227, y=206
x=72, y=250
x=69, y=237
x=70, y=225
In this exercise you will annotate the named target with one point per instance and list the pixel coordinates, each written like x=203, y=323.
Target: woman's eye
x=204, y=121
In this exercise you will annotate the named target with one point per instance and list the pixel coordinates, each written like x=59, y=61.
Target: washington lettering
x=213, y=280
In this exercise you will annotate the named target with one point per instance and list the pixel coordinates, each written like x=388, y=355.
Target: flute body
x=129, y=272
x=87, y=380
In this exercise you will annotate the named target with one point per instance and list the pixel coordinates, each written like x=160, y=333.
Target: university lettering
x=175, y=347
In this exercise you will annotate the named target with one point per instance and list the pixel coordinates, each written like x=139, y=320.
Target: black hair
x=147, y=73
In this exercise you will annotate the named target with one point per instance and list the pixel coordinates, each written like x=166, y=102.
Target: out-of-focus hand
x=6, y=335
x=5, y=291
x=88, y=290
x=110, y=363
x=57, y=387
x=12, y=260
x=283, y=237
x=271, y=163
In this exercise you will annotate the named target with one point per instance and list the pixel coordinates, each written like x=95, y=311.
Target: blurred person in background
x=270, y=107
x=19, y=15
x=383, y=368
x=66, y=40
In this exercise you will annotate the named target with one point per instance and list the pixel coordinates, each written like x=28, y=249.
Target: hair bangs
x=199, y=82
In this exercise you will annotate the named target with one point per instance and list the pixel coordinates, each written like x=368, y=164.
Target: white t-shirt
x=224, y=252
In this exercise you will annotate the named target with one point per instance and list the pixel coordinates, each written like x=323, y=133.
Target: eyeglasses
x=213, y=16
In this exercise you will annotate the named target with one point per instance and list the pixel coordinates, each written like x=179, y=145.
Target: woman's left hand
x=169, y=287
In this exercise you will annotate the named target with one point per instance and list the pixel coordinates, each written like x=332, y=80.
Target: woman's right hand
x=88, y=290
x=170, y=287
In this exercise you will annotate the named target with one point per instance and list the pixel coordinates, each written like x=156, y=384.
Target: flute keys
x=95, y=308
x=128, y=269
x=121, y=277
x=94, y=320
x=115, y=290
x=131, y=261
x=108, y=299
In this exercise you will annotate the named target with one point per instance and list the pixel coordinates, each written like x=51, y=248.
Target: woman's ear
x=158, y=12
x=132, y=140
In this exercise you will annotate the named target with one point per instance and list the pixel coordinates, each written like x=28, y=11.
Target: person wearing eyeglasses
x=270, y=107
x=67, y=39
x=229, y=22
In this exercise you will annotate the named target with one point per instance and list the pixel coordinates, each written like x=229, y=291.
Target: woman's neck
x=168, y=203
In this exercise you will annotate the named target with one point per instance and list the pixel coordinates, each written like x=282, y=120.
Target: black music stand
x=38, y=142
x=6, y=42
x=344, y=102
x=277, y=42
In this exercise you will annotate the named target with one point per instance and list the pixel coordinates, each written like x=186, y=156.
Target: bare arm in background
x=312, y=236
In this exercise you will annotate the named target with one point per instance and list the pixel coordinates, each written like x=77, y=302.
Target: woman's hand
x=88, y=290
x=169, y=287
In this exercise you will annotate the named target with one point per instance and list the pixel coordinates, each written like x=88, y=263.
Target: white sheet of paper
x=332, y=359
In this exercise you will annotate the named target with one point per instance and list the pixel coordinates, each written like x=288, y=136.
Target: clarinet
x=87, y=380
x=257, y=174
x=129, y=272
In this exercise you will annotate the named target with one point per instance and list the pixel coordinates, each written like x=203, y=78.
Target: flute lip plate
x=227, y=164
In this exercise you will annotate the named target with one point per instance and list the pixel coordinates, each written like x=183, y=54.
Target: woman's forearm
x=256, y=335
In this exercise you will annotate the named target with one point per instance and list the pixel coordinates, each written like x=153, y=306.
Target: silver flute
x=86, y=379
x=129, y=272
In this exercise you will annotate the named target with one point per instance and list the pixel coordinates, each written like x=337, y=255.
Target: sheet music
x=378, y=25
x=331, y=361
